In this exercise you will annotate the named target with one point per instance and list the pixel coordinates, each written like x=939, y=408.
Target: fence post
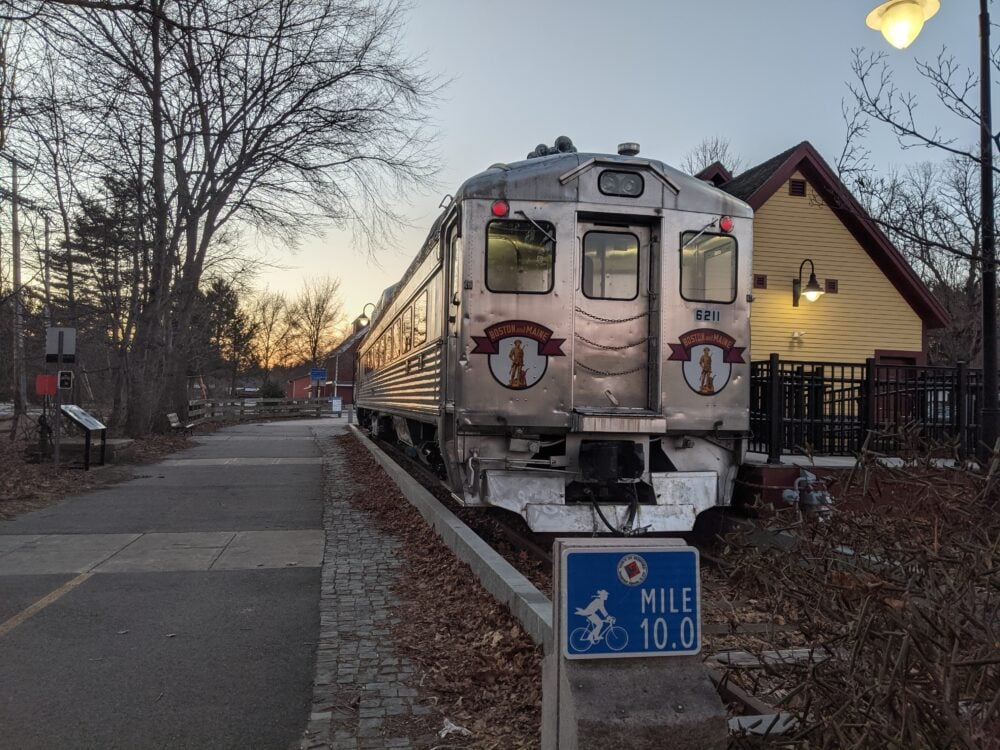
x=961, y=409
x=776, y=412
x=868, y=418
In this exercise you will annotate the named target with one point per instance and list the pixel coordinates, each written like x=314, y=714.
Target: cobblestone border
x=362, y=698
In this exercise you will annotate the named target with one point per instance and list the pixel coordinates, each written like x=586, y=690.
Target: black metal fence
x=828, y=408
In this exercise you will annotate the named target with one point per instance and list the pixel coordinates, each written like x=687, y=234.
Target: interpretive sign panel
x=317, y=373
x=630, y=600
x=82, y=418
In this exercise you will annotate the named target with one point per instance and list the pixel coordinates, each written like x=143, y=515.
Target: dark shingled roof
x=716, y=173
x=747, y=183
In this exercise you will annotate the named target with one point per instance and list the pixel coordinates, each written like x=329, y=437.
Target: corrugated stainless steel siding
x=409, y=387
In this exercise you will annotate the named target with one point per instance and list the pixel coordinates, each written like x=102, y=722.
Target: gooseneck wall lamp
x=813, y=291
x=363, y=319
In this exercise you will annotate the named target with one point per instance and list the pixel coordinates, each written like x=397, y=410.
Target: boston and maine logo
x=514, y=362
x=632, y=570
x=708, y=356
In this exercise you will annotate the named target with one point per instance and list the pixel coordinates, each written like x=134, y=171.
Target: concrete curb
x=529, y=605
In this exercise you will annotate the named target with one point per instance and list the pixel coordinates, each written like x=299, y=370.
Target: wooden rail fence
x=242, y=409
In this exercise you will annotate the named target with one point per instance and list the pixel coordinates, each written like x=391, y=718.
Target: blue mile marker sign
x=632, y=601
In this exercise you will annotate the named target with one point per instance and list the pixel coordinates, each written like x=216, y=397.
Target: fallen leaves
x=477, y=662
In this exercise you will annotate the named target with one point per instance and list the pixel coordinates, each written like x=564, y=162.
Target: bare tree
x=710, y=150
x=271, y=343
x=931, y=211
x=266, y=113
x=314, y=318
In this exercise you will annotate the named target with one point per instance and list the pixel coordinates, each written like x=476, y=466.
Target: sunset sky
x=666, y=74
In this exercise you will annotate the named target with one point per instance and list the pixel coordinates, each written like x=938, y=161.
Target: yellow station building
x=874, y=305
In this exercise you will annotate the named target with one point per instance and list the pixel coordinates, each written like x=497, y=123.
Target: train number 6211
x=709, y=316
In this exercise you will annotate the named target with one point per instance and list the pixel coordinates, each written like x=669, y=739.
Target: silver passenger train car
x=571, y=344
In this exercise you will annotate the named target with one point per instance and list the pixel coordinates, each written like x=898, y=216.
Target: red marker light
x=500, y=208
x=726, y=224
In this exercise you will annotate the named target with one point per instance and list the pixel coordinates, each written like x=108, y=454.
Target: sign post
x=624, y=671
x=60, y=347
x=317, y=375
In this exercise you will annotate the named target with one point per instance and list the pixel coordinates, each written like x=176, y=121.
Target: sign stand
x=624, y=670
x=89, y=424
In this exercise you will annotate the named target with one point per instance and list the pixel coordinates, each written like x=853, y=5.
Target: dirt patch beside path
x=27, y=486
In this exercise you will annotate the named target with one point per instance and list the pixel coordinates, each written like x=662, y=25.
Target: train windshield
x=520, y=256
x=708, y=267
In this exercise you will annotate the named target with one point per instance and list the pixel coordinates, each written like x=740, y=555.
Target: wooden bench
x=176, y=424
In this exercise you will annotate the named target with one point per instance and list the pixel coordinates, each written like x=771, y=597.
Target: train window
x=708, y=267
x=520, y=256
x=456, y=265
x=610, y=265
x=407, y=329
x=420, y=320
x=398, y=345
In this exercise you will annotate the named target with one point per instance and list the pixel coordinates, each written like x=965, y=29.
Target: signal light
x=726, y=224
x=500, y=209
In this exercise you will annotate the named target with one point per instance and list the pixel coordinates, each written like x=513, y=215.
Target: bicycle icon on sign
x=601, y=627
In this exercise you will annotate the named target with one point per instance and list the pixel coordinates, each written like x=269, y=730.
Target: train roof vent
x=628, y=149
x=563, y=145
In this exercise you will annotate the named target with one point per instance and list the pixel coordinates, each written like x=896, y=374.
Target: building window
x=831, y=286
x=797, y=188
x=760, y=281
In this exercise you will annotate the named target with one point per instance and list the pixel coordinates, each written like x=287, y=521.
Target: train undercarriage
x=576, y=482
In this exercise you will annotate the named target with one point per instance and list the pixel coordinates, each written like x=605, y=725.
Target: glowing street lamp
x=900, y=21
x=364, y=319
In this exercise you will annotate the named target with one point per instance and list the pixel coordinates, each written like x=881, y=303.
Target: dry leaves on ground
x=472, y=654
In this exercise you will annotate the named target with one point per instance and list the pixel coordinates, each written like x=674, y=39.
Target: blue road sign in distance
x=632, y=602
x=317, y=373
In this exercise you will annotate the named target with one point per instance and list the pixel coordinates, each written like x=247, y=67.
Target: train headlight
x=626, y=184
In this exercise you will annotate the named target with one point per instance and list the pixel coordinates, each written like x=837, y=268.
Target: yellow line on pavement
x=42, y=603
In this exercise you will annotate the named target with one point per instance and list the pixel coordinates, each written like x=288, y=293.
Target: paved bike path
x=178, y=609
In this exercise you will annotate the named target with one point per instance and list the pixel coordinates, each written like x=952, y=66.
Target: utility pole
x=20, y=374
x=48, y=275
